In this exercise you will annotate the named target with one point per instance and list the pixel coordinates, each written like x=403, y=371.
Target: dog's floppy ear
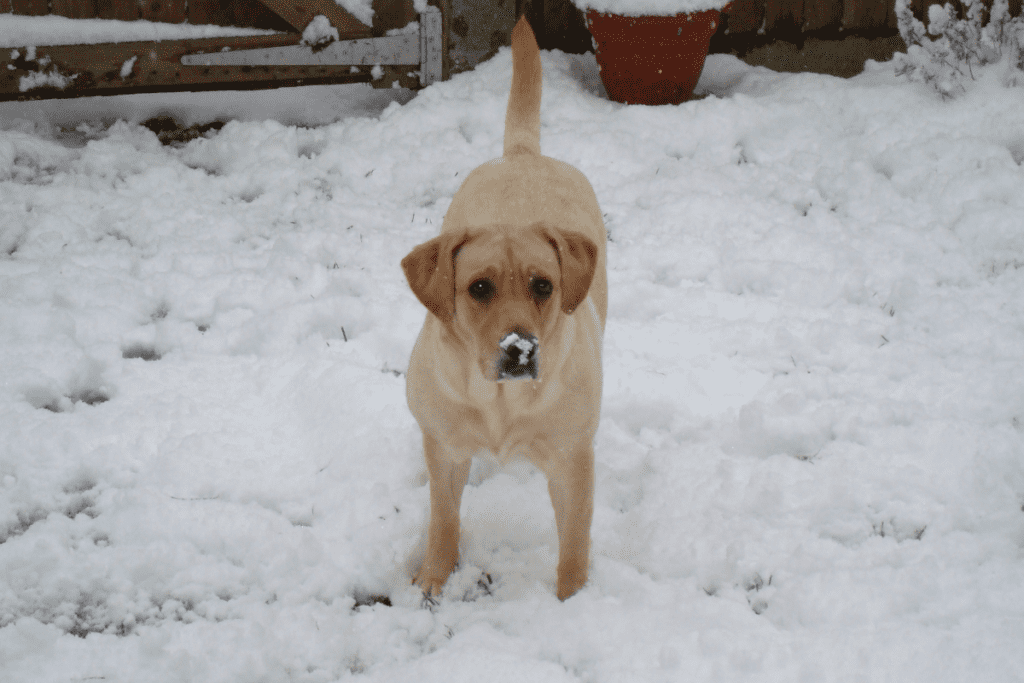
x=430, y=270
x=577, y=255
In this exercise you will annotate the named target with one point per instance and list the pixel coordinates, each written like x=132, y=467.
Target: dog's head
x=502, y=292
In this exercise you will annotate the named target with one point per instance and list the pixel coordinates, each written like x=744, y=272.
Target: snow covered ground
x=811, y=453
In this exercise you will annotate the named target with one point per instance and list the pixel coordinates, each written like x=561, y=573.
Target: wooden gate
x=34, y=72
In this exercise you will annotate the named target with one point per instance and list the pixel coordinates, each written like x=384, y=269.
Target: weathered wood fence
x=248, y=13
x=743, y=16
x=810, y=15
x=471, y=31
x=814, y=15
x=111, y=68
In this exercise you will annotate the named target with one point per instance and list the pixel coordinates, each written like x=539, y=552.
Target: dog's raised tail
x=522, y=120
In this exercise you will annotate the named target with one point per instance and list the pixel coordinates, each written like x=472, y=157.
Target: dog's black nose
x=518, y=356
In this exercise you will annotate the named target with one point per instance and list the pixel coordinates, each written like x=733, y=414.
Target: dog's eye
x=482, y=290
x=541, y=288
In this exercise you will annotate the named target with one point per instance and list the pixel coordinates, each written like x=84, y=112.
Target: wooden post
x=446, y=28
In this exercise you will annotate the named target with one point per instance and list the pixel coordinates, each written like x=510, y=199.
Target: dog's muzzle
x=518, y=356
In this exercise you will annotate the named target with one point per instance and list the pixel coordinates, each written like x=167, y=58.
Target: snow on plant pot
x=651, y=51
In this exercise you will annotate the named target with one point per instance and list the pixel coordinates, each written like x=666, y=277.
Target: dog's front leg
x=572, y=495
x=447, y=480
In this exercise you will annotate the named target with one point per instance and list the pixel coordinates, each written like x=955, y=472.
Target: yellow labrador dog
x=509, y=358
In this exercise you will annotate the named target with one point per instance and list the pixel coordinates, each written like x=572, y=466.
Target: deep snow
x=810, y=455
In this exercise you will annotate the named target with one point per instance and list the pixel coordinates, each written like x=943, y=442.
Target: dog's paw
x=570, y=579
x=431, y=583
x=430, y=603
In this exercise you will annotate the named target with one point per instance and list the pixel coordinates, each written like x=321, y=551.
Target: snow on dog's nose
x=518, y=356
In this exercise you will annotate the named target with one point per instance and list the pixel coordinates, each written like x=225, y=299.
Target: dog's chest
x=507, y=414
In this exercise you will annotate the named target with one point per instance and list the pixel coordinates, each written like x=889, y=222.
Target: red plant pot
x=652, y=60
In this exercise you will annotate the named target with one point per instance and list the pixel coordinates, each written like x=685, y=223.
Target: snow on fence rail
x=231, y=13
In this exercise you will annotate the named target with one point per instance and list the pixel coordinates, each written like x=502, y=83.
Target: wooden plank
x=891, y=20
x=31, y=8
x=298, y=14
x=210, y=12
x=820, y=14
x=169, y=11
x=390, y=14
x=783, y=14
x=745, y=16
x=256, y=14
x=859, y=14
x=156, y=67
x=564, y=26
x=125, y=10
x=74, y=9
